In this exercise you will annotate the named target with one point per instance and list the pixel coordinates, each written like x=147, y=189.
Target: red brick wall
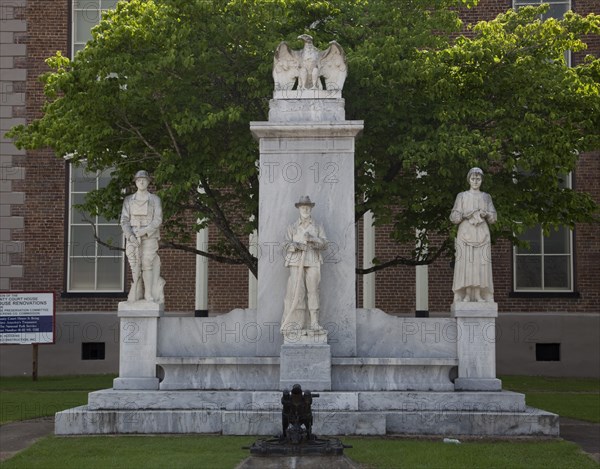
x=227, y=284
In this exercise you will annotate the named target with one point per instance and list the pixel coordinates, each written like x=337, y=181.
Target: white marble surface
x=306, y=67
x=307, y=365
x=111, y=399
x=83, y=421
x=382, y=335
x=234, y=334
x=300, y=109
x=137, y=352
x=391, y=378
x=503, y=401
x=474, y=309
x=315, y=159
x=477, y=347
x=142, y=308
x=531, y=422
x=219, y=375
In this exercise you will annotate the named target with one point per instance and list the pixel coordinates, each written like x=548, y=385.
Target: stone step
x=347, y=373
x=504, y=401
x=531, y=422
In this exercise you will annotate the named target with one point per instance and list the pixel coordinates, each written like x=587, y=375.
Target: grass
x=577, y=398
x=23, y=399
x=215, y=452
x=398, y=453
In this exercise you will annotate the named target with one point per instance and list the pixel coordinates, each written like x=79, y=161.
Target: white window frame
x=543, y=255
x=568, y=3
x=92, y=11
x=87, y=255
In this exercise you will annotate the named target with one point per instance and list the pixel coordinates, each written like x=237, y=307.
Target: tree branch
x=223, y=224
x=209, y=255
x=399, y=260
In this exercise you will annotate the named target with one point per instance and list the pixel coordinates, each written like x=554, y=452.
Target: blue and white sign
x=27, y=318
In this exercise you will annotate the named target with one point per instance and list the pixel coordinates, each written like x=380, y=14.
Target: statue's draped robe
x=473, y=264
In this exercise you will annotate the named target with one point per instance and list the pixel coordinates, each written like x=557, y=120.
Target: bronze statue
x=296, y=412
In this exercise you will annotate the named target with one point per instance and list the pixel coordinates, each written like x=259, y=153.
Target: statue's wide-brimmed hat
x=141, y=174
x=304, y=200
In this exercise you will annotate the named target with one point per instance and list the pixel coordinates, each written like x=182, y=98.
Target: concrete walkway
x=17, y=436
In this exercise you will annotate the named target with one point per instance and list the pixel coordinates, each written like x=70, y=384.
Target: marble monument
x=376, y=373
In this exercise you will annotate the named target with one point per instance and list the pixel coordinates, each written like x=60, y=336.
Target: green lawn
x=208, y=452
x=576, y=398
x=23, y=399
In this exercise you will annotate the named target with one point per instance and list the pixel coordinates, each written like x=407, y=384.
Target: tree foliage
x=171, y=85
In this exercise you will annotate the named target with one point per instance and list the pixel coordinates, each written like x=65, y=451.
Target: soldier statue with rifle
x=141, y=219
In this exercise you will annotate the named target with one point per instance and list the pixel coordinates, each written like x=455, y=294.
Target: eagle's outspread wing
x=333, y=66
x=286, y=66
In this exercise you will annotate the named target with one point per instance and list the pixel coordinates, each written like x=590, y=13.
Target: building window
x=93, y=350
x=557, y=9
x=92, y=267
x=547, y=264
x=86, y=15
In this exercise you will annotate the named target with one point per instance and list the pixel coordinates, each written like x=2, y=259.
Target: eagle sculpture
x=303, y=69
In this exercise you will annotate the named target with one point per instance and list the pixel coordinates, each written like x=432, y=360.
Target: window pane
x=534, y=236
x=103, y=179
x=112, y=235
x=557, y=242
x=86, y=4
x=556, y=11
x=557, y=273
x=76, y=215
x=82, y=274
x=82, y=241
x=108, y=4
x=82, y=181
x=110, y=274
x=84, y=21
x=529, y=272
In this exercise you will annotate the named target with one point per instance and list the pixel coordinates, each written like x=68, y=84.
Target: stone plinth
x=476, y=346
x=306, y=364
x=315, y=159
x=138, y=345
x=335, y=413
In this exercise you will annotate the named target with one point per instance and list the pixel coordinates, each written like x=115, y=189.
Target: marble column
x=307, y=148
x=476, y=346
x=138, y=345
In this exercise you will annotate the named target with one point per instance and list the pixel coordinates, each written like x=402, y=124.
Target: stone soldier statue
x=141, y=219
x=305, y=240
x=472, y=212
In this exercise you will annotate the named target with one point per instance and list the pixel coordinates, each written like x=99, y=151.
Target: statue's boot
x=314, y=321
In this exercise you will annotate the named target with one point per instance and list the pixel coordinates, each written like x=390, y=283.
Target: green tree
x=171, y=85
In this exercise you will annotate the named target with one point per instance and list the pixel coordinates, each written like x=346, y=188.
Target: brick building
x=549, y=297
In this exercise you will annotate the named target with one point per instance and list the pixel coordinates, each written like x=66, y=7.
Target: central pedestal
x=306, y=364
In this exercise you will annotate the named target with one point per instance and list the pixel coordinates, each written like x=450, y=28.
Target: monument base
x=477, y=384
x=335, y=413
x=306, y=364
x=135, y=383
